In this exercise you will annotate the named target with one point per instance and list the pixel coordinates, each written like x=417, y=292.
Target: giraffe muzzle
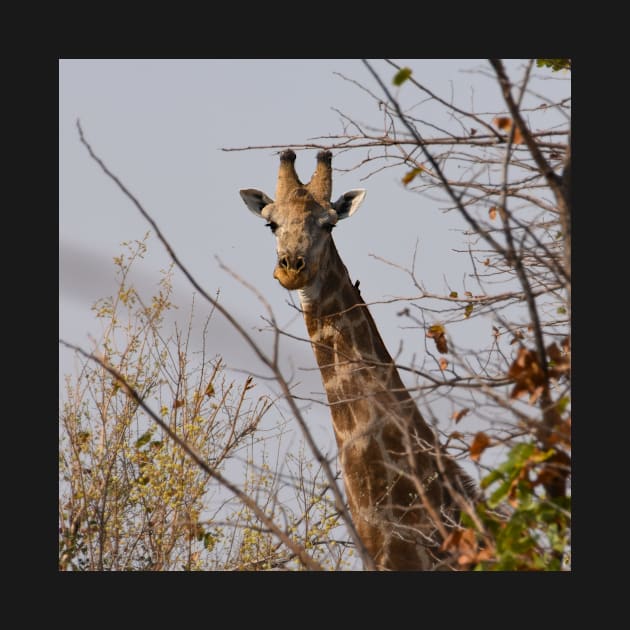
x=291, y=271
x=292, y=263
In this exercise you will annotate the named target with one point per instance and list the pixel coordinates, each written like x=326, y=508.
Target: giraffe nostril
x=292, y=263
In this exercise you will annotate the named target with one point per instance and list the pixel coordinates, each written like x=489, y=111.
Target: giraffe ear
x=255, y=200
x=349, y=203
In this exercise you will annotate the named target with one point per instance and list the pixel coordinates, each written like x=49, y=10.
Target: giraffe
x=399, y=483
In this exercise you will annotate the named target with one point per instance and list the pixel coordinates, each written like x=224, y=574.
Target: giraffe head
x=302, y=218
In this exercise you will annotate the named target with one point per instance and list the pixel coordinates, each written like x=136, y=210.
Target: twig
x=192, y=453
x=367, y=559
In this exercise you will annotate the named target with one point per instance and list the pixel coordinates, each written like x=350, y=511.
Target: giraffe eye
x=272, y=226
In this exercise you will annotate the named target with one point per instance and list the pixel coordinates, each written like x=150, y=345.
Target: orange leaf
x=480, y=443
x=527, y=374
x=178, y=403
x=535, y=395
x=458, y=415
x=503, y=122
x=436, y=329
x=452, y=540
x=443, y=363
x=566, y=344
x=464, y=540
x=484, y=554
x=493, y=213
x=559, y=363
x=437, y=332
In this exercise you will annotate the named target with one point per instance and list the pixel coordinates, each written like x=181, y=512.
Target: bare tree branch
x=275, y=369
x=298, y=550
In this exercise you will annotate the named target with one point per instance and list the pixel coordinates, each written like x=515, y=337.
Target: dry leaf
x=480, y=443
x=443, y=363
x=521, y=479
x=486, y=262
x=438, y=334
x=452, y=540
x=408, y=177
x=178, y=403
x=554, y=469
x=527, y=374
x=566, y=344
x=492, y=213
x=209, y=390
x=503, y=122
x=464, y=542
x=484, y=554
x=560, y=363
x=458, y=415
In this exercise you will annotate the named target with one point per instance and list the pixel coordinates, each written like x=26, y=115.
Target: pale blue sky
x=160, y=126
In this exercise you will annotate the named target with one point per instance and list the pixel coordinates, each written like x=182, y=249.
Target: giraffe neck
x=355, y=365
x=383, y=440
x=345, y=339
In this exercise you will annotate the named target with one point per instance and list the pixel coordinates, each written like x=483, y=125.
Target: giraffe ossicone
x=403, y=490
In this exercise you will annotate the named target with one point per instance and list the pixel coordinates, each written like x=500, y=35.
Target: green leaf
x=489, y=479
x=499, y=494
x=144, y=438
x=468, y=310
x=452, y=294
x=519, y=455
x=209, y=541
x=554, y=64
x=561, y=310
x=401, y=76
x=562, y=404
